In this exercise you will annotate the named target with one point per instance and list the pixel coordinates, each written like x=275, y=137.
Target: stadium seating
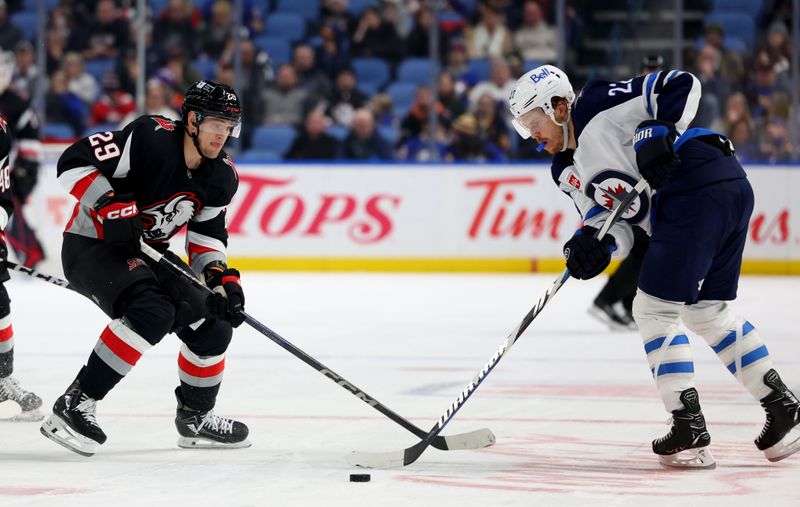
x=278, y=49
x=99, y=66
x=402, y=95
x=277, y=138
x=372, y=71
x=288, y=25
x=734, y=23
x=27, y=23
x=309, y=9
x=256, y=155
x=416, y=70
x=58, y=131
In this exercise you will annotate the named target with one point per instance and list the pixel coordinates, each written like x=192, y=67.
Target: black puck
x=360, y=477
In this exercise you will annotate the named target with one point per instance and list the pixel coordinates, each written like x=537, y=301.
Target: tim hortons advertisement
x=431, y=213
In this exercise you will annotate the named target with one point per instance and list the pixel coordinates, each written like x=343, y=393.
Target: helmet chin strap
x=564, y=127
x=196, y=141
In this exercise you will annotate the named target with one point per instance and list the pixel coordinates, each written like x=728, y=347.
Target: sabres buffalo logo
x=163, y=123
x=162, y=220
x=608, y=188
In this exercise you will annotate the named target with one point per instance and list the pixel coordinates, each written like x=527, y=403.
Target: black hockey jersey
x=24, y=132
x=6, y=204
x=146, y=161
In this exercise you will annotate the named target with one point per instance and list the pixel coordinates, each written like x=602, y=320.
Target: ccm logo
x=126, y=212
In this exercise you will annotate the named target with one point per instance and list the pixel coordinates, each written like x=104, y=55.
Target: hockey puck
x=360, y=477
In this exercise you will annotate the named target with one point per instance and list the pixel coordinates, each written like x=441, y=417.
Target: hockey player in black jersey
x=148, y=181
x=25, y=158
x=696, y=213
x=15, y=402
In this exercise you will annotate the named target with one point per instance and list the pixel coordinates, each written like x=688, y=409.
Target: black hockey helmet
x=207, y=98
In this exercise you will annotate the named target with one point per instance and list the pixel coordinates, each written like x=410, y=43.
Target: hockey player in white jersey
x=697, y=215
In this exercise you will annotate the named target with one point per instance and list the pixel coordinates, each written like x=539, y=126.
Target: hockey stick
x=472, y=440
x=38, y=274
x=409, y=455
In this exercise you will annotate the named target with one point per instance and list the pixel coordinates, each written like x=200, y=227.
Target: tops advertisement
x=397, y=217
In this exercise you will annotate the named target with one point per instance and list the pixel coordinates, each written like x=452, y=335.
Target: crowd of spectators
x=313, y=83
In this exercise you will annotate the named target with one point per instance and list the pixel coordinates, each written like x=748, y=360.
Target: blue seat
x=402, y=95
x=371, y=71
x=735, y=44
x=277, y=138
x=27, y=24
x=388, y=133
x=30, y=5
x=416, y=70
x=288, y=25
x=750, y=7
x=257, y=155
x=531, y=64
x=367, y=89
x=207, y=68
x=356, y=6
x=338, y=131
x=58, y=131
x=278, y=48
x=481, y=68
x=98, y=67
x=309, y=9
x=734, y=23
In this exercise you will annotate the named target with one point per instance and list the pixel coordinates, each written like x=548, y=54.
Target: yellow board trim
x=459, y=265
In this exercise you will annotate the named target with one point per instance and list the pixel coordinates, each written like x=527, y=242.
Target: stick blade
x=477, y=439
x=391, y=459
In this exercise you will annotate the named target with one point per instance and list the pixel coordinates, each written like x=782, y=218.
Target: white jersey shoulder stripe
x=124, y=165
x=207, y=213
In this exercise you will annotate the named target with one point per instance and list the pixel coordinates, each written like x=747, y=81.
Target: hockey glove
x=121, y=222
x=227, y=302
x=655, y=151
x=586, y=255
x=4, y=276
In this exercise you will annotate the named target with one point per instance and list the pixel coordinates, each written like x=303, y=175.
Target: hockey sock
x=114, y=355
x=667, y=348
x=6, y=346
x=200, y=378
x=736, y=342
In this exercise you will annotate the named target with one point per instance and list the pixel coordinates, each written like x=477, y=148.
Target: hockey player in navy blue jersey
x=146, y=182
x=696, y=213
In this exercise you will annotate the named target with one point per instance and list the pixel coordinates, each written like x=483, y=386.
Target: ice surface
x=573, y=406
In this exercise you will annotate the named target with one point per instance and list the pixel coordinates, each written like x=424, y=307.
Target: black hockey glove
x=4, y=276
x=227, y=302
x=655, y=151
x=586, y=255
x=121, y=222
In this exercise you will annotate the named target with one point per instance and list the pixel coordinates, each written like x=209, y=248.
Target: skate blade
x=788, y=445
x=204, y=443
x=690, y=458
x=29, y=416
x=59, y=432
x=605, y=319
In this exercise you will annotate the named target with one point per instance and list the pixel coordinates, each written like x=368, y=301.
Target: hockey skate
x=206, y=430
x=780, y=437
x=17, y=404
x=686, y=444
x=615, y=316
x=73, y=423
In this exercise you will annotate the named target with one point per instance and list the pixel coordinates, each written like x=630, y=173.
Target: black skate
x=206, y=430
x=686, y=444
x=73, y=423
x=17, y=404
x=780, y=437
x=615, y=316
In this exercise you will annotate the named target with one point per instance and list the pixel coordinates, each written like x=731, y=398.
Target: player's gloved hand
x=655, y=151
x=586, y=255
x=121, y=221
x=4, y=276
x=227, y=302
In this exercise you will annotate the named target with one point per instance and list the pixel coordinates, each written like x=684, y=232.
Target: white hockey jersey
x=602, y=169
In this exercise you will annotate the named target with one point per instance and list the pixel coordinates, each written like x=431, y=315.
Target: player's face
x=543, y=130
x=213, y=134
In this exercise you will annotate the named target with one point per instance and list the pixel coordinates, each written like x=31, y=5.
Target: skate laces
x=670, y=424
x=9, y=387
x=87, y=407
x=216, y=423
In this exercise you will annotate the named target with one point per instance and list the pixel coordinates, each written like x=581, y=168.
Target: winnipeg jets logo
x=164, y=123
x=164, y=219
x=608, y=188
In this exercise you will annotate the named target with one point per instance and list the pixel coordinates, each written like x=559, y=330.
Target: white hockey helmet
x=537, y=88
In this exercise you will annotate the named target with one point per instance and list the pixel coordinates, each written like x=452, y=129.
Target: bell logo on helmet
x=538, y=77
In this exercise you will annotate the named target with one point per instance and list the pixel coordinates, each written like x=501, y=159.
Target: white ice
x=573, y=405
